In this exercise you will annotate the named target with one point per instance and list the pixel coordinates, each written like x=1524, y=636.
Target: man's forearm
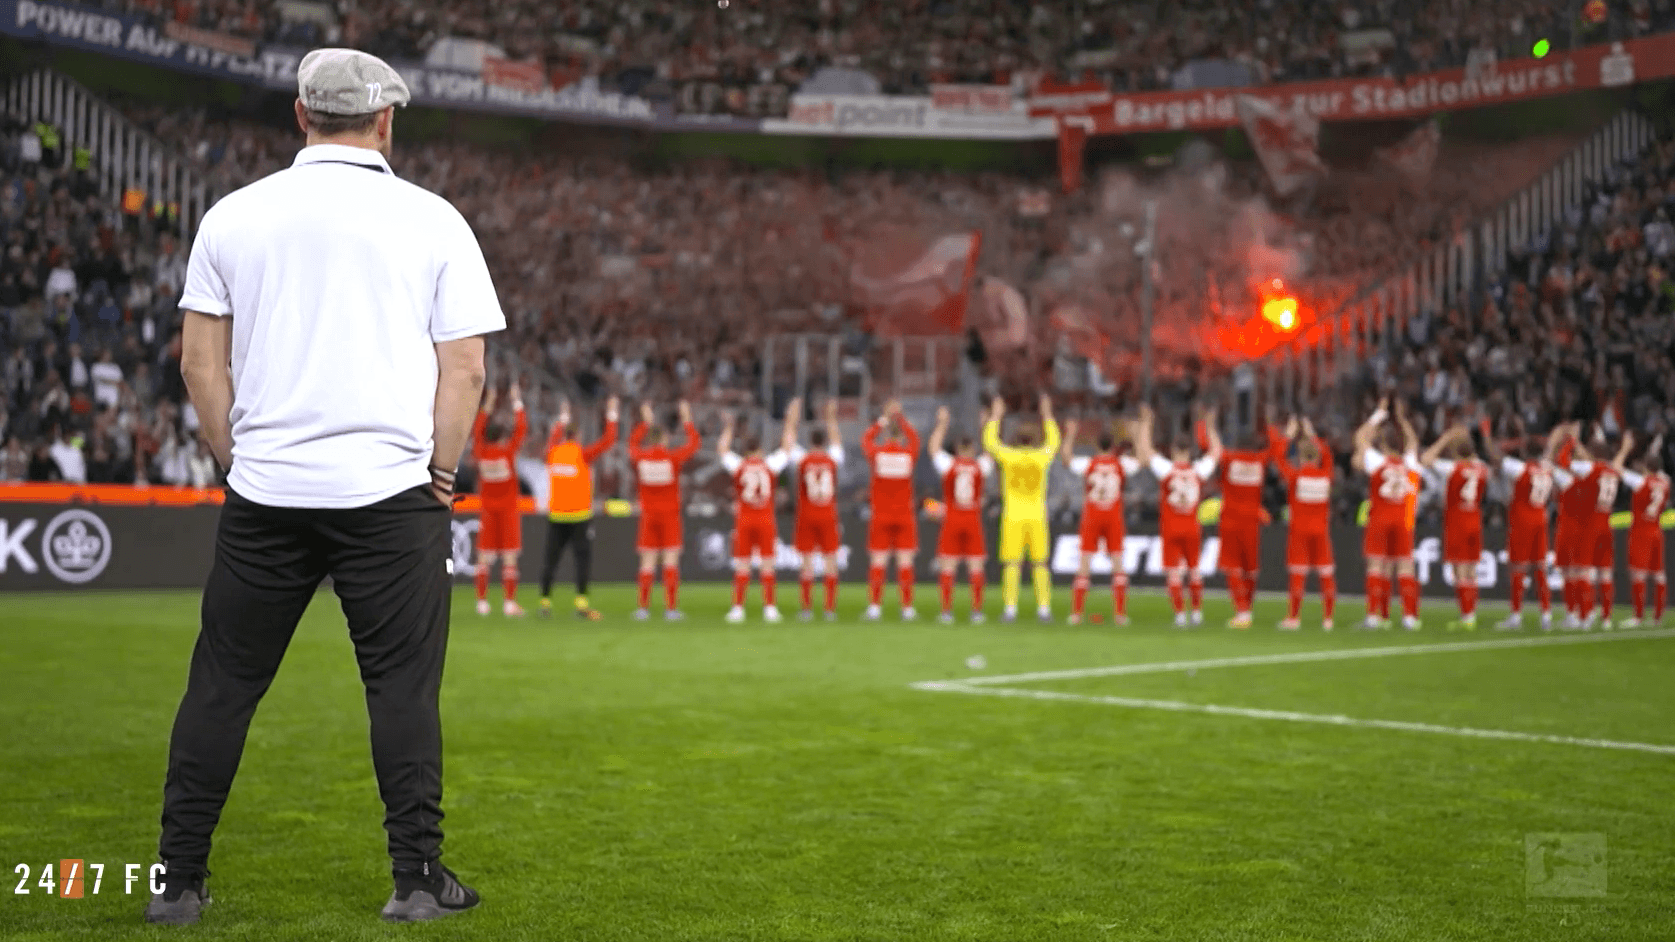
x=211, y=392
x=459, y=388
x=458, y=391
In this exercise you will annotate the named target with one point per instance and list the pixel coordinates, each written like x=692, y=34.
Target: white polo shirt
x=340, y=278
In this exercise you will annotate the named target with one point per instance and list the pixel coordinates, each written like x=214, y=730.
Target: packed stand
x=662, y=48
x=90, y=386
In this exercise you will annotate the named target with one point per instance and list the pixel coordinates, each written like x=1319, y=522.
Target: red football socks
x=646, y=577
x=1119, y=594
x=1410, y=596
x=741, y=581
x=671, y=587
x=1328, y=596
x=946, y=582
x=509, y=582
x=904, y=579
x=482, y=583
x=875, y=584
x=1295, y=602
x=1078, y=595
x=1517, y=592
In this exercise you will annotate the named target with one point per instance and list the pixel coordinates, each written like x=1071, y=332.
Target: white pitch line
x=1299, y=657
x=1290, y=716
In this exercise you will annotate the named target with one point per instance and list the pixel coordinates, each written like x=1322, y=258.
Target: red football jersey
x=892, y=470
x=962, y=488
x=1103, y=481
x=1181, y=489
x=658, y=469
x=497, y=479
x=1390, y=486
x=817, y=485
x=754, y=483
x=1241, y=486
x=1651, y=499
x=1532, y=491
x=1463, y=494
x=1597, y=493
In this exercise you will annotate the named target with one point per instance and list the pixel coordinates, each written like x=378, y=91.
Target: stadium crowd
x=652, y=46
x=664, y=284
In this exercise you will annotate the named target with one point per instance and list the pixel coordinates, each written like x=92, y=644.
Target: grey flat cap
x=348, y=81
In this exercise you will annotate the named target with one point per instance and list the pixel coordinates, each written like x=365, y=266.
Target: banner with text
x=953, y=112
x=1610, y=65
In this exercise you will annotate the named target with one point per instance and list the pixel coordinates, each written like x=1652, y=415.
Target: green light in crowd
x=1541, y=49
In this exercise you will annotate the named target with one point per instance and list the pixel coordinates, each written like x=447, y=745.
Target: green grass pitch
x=626, y=781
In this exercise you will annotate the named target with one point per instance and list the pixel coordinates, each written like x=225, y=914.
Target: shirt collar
x=342, y=154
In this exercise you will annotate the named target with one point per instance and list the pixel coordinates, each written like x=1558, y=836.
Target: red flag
x=1073, y=142
x=1414, y=155
x=1286, y=142
x=909, y=285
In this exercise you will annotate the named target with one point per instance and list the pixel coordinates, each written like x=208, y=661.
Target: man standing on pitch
x=350, y=306
x=570, y=504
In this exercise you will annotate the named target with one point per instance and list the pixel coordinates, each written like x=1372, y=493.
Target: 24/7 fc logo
x=74, y=546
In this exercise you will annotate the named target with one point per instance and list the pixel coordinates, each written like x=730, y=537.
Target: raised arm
x=1050, y=437
x=1435, y=451
x=694, y=441
x=834, y=434
x=608, y=438
x=636, y=438
x=1143, y=451
x=1410, y=438
x=520, y=419
x=793, y=415
x=1622, y=452
x=991, y=431
x=561, y=424
x=1210, y=432
x=1067, y=448
x=938, y=432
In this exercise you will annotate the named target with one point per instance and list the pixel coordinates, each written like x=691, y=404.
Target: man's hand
x=997, y=409
x=564, y=412
x=892, y=409
x=515, y=393
x=490, y=399
x=942, y=417
x=1046, y=406
x=1291, y=428
x=831, y=409
x=685, y=409
x=613, y=408
x=647, y=414
x=727, y=421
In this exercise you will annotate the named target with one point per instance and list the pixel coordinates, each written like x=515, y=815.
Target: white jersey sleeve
x=987, y=464
x=1633, y=479
x=1371, y=460
x=1080, y=463
x=1443, y=468
x=1204, y=467
x=942, y=461
x=777, y=460
x=731, y=462
x=1130, y=465
x=797, y=454
x=835, y=452
x=1411, y=460
x=1160, y=467
x=1512, y=467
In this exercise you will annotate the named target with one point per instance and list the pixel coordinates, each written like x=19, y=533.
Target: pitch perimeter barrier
x=53, y=546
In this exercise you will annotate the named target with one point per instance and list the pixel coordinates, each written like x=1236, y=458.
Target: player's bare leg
x=648, y=575
x=485, y=567
x=1079, y=589
x=671, y=584
x=875, y=585
x=1465, y=592
x=1409, y=583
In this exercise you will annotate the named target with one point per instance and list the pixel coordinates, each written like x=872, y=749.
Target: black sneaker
x=182, y=901
x=429, y=892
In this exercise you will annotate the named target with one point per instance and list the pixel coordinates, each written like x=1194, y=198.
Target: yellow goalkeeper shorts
x=1023, y=537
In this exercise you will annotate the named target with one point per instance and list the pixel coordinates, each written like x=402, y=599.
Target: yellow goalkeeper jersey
x=1023, y=472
